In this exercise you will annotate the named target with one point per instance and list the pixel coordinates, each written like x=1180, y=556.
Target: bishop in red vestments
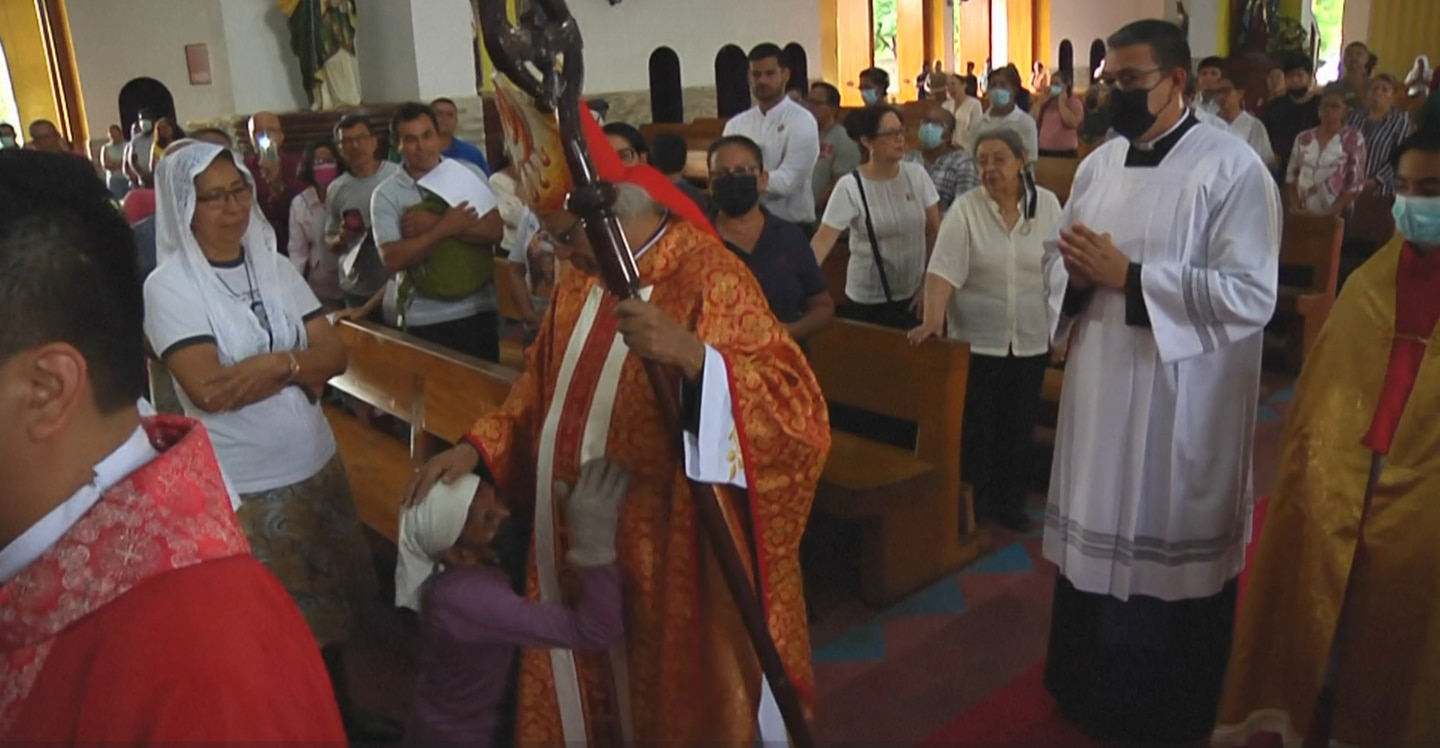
x=131, y=609
x=756, y=429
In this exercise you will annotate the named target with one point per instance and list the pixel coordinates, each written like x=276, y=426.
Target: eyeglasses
x=893, y=134
x=628, y=155
x=1127, y=80
x=240, y=194
x=751, y=170
x=356, y=140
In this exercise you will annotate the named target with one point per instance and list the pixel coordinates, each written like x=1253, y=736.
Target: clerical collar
x=24, y=550
x=1152, y=153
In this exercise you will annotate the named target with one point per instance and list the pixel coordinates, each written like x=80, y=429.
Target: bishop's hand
x=655, y=337
x=448, y=467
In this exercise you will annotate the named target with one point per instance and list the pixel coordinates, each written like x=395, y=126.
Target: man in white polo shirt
x=407, y=238
x=787, y=135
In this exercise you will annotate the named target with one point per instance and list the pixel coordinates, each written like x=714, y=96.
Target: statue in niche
x=322, y=36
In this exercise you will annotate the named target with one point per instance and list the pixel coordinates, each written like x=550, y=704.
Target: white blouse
x=999, y=302
x=897, y=210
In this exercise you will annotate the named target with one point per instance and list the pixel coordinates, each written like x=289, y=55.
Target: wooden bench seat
x=863, y=478
x=916, y=519
x=439, y=393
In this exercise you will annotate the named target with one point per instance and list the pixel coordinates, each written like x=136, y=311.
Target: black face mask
x=736, y=194
x=1130, y=113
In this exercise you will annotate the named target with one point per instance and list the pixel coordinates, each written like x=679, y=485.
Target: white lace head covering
x=238, y=331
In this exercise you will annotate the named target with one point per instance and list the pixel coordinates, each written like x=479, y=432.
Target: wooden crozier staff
x=545, y=59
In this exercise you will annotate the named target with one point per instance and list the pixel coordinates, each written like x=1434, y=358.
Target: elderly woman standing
x=250, y=350
x=985, y=280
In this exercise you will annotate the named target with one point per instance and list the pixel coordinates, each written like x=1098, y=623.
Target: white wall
x=385, y=51
x=619, y=39
x=1356, y=26
x=117, y=42
x=445, y=48
x=265, y=73
x=1083, y=21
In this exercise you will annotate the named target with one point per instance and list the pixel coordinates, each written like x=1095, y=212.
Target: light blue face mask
x=6, y=141
x=931, y=135
x=870, y=95
x=1057, y=90
x=1001, y=97
x=1418, y=219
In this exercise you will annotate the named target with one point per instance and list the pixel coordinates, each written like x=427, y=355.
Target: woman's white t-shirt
x=271, y=444
x=897, y=210
x=999, y=302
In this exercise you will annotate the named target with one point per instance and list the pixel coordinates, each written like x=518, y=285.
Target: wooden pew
x=1056, y=174
x=1309, y=266
x=917, y=522
x=438, y=392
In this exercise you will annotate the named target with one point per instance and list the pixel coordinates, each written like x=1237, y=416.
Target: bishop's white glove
x=592, y=511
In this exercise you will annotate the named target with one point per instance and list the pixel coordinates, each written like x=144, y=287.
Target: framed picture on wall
x=197, y=62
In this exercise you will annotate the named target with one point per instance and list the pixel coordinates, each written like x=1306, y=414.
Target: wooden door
x=974, y=34
x=855, y=39
x=910, y=48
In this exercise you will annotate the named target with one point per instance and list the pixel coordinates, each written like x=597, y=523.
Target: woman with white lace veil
x=250, y=352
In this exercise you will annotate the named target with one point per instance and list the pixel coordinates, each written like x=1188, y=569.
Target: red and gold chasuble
x=686, y=670
x=139, y=612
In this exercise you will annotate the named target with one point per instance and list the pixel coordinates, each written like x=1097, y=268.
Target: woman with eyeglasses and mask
x=950, y=168
x=309, y=248
x=986, y=281
x=250, y=349
x=776, y=251
x=891, y=209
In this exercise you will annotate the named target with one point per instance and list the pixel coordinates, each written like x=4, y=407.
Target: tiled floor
x=889, y=677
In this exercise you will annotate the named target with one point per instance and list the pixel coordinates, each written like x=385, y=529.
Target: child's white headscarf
x=238, y=332
x=426, y=530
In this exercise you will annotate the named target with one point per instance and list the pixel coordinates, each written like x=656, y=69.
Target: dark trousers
x=1143, y=670
x=477, y=336
x=1002, y=402
x=894, y=314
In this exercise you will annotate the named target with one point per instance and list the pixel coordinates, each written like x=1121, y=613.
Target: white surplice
x=1151, y=488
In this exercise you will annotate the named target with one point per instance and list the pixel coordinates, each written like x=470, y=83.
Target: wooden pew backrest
x=1056, y=174
x=1313, y=242
x=876, y=369
x=436, y=390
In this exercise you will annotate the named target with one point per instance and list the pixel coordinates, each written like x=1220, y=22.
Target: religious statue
x=322, y=36
x=1257, y=22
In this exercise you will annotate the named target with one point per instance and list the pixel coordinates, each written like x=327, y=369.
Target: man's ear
x=58, y=384
x=763, y=182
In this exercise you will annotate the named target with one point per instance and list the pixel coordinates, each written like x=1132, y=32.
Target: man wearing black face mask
x=1165, y=271
x=776, y=251
x=1295, y=112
